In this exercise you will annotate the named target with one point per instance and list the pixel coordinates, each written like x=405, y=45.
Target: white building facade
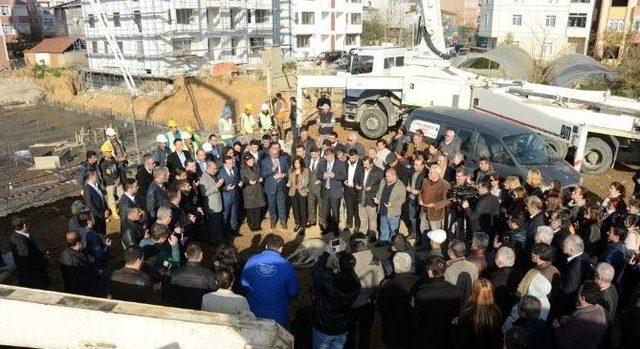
x=545, y=29
x=162, y=38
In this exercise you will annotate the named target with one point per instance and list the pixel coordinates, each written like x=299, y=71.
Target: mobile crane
x=384, y=84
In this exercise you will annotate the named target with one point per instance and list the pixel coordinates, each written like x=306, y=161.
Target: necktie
x=328, y=182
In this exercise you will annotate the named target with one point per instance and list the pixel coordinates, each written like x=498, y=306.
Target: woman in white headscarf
x=533, y=284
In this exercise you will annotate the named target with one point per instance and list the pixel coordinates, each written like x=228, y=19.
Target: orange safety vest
x=283, y=114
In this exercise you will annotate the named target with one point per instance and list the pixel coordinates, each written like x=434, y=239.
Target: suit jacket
x=156, y=198
x=313, y=177
x=209, y=191
x=359, y=169
x=575, y=272
x=95, y=202
x=304, y=191
x=335, y=183
x=144, y=179
x=229, y=195
x=31, y=263
x=419, y=179
x=437, y=302
x=173, y=160
x=124, y=203
x=272, y=185
x=373, y=180
x=583, y=329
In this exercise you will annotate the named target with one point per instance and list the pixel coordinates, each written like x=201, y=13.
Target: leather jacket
x=193, y=275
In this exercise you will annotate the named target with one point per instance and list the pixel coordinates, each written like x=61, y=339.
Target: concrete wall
x=67, y=59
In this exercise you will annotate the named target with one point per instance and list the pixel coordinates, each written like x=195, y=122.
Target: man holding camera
x=462, y=190
x=483, y=216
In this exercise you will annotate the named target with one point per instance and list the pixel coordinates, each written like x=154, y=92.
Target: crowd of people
x=490, y=260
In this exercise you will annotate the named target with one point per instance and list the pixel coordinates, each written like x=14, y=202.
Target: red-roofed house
x=58, y=52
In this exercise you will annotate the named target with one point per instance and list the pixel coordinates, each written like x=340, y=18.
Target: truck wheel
x=373, y=123
x=598, y=156
x=560, y=148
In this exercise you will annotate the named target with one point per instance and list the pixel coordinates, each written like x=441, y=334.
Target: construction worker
x=172, y=134
x=326, y=122
x=161, y=152
x=110, y=174
x=282, y=113
x=265, y=120
x=248, y=123
x=189, y=144
x=118, y=152
x=195, y=137
x=226, y=127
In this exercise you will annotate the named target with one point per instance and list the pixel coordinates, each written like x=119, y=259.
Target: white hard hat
x=265, y=106
x=161, y=138
x=325, y=107
x=437, y=235
x=110, y=131
x=185, y=135
x=207, y=147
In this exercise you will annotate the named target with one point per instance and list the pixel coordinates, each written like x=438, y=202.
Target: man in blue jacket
x=271, y=282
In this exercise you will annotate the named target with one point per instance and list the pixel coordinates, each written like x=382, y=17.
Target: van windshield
x=527, y=148
x=361, y=64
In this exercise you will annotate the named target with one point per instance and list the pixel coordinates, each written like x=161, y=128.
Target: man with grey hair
x=77, y=207
x=460, y=272
x=157, y=194
x=144, y=177
x=536, y=218
x=578, y=268
x=609, y=301
x=505, y=279
x=433, y=200
x=394, y=303
x=209, y=189
x=543, y=235
x=450, y=145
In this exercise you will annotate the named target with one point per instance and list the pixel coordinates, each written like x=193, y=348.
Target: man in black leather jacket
x=129, y=283
x=78, y=269
x=132, y=231
x=483, y=216
x=193, y=274
x=333, y=295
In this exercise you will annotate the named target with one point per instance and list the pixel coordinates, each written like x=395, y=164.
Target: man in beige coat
x=391, y=195
x=460, y=272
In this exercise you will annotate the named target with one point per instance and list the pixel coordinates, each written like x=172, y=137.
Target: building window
x=183, y=44
x=106, y=46
x=302, y=41
x=137, y=19
x=169, y=16
x=5, y=10
x=183, y=15
x=116, y=19
x=578, y=20
x=356, y=18
x=351, y=39
x=516, y=19
x=120, y=47
x=388, y=62
x=139, y=48
x=616, y=25
x=262, y=16
x=235, y=45
x=550, y=21
x=92, y=21
x=308, y=18
x=94, y=47
x=23, y=28
x=547, y=48
x=635, y=27
x=213, y=44
x=256, y=44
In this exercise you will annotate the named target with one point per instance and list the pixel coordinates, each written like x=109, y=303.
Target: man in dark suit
x=31, y=263
x=411, y=207
x=132, y=231
x=230, y=194
x=128, y=198
x=585, y=327
x=157, y=194
x=536, y=219
x=314, y=208
x=79, y=271
x=367, y=183
x=178, y=158
x=274, y=170
x=331, y=173
x=351, y=193
x=95, y=201
x=306, y=141
x=201, y=162
x=579, y=268
x=144, y=177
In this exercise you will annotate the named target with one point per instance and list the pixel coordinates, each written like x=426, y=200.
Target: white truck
x=380, y=88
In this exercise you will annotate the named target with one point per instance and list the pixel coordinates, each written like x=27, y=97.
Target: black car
x=331, y=56
x=512, y=148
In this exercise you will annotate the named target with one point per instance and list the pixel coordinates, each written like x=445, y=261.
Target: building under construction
x=162, y=38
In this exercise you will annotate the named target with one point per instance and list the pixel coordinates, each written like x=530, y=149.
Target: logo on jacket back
x=266, y=269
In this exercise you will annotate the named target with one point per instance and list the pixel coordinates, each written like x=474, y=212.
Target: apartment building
x=162, y=38
x=545, y=29
x=617, y=27
x=68, y=19
x=16, y=29
x=325, y=25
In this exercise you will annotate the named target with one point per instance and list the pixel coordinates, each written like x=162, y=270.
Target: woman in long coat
x=252, y=193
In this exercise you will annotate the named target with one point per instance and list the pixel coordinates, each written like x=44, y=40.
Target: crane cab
x=374, y=60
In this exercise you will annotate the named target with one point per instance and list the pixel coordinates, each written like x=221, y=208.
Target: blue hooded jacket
x=271, y=282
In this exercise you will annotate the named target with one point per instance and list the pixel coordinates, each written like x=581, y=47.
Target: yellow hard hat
x=248, y=106
x=106, y=146
x=172, y=123
x=189, y=128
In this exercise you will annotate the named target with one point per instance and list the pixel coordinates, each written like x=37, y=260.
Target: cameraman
x=462, y=190
x=484, y=215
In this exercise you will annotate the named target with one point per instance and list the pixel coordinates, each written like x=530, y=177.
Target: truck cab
x=374, y=60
